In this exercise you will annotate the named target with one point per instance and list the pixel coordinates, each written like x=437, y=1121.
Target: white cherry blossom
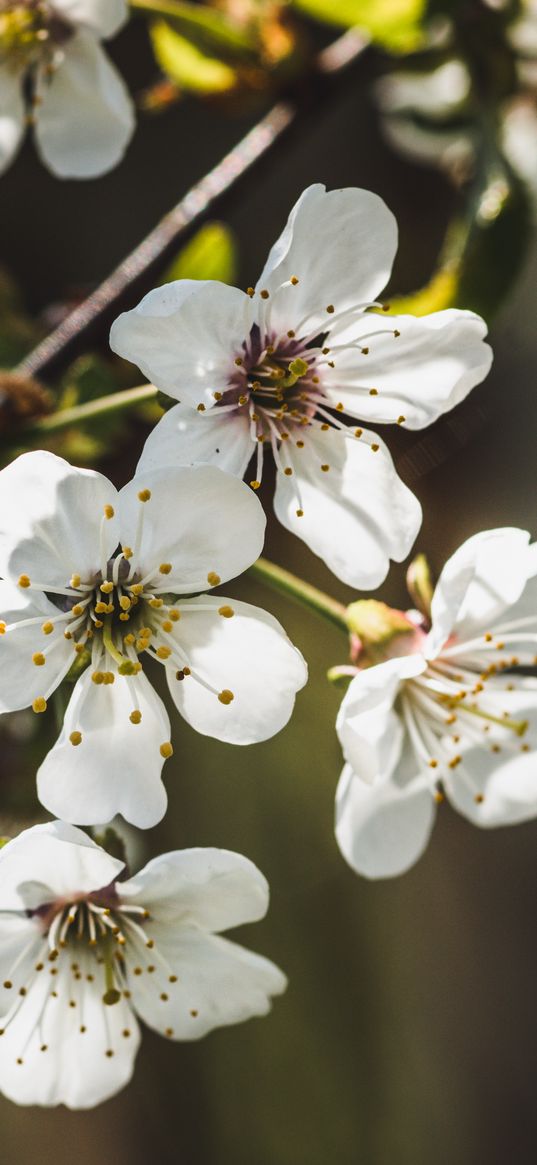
x=455, y=717
x=277, y=368
x=84, y=955
x=54, y=73
x=108, y=577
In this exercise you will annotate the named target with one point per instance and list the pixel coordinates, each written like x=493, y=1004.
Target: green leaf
x=394, y=24
x=187, y=65
x=202, y=23
x=211, y=254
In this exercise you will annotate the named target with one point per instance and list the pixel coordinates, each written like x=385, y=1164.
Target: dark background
x=409, y=1030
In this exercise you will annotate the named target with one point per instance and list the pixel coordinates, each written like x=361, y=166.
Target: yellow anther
x=479, y=798
x=127, y=552
x=106, y=587
x=167, y=626
x=38, y=658
x=108, y=677
x=165, y=567
x=243, y=399
x=396, y=333
x=255, y=484
x=77, y=609
x=433, y=764
x=129, y=639
x=238, y=361
x=291, y=334
x=401, y=420
x=79, y=648
x=226, y=696
x=101, y=608
x=250, y=291
x=330, y=308
x=488, y=637
x=76, y=738
x=325, y=427
x=136, y=589
x=47, y=628
x=124, y=617
x=174, y=614
x=375, y=448
x=218, y=395
x=125, y=603
x=373, y=391
x=200, y=407
x=98, y=677
x=164, y=652
x=213, y=578
x=264, y=294
x=156, y=603
x=293, y=280
x=439, y=797
x=226, y=612
x=365, y=351
x=99, y=623
x=358, y=432
x=300, y=513
x=339, y=407
x=39, y=704
x=166, y=750
x=75, y=581
x=24, y=581
x=109, y=511
x=325, y=468
x=144, y=495
x=135, y=716
x=288, y=471
x=186, y=671
x=67, y=634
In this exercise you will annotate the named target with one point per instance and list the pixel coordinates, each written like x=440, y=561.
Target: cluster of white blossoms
x=100, y=584
x=55, y=75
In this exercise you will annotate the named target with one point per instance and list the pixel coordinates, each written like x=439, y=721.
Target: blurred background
x=409, y=1030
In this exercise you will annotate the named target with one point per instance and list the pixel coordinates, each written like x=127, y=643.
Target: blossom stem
x=92, y=410
x=309, y=596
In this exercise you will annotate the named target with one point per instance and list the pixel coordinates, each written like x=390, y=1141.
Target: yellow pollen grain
x=339, y=407
x=39, y=704
x=76, y=738
x=164, y=652
x=144, y=495
x=213, y=578
x=135, y=716
x=47, y=628
x=325, y=428
x=255, y=484
x=38, y=658
x=225, y=696
x=24, y=581
x=250, y=291
x=165, y=567
x=226, y=612
x=75, y=580
x=109, y=511
x=166, y=750
x=127, y=552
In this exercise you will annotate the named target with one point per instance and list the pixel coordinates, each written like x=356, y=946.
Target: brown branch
x=121, y=290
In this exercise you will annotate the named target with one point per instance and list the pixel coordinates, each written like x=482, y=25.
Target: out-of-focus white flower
x=278, y=367
x=85, y=955
x=88, y=569
x=454, y=717
x=54, y=71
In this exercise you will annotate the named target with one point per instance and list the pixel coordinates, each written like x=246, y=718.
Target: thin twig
x=89, y=322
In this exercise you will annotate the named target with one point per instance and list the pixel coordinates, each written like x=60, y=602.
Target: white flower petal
x=369, y=729
x=21, y=940
x=248, y=655
x=116, y=766
x=61, y=860
x=183, y=436
x=86, y=116
x=218, y=983
x=199, y=520
x=383, y=829
x=419, y=374
x=103, y=17
x=75, y=1068
x=50, y=519
x=21, y=680
x=358, y=514
x=210, y=888
x=485, y=576
x=504, y=782
x=12, y=115
x=185, y=337
x=340, y=245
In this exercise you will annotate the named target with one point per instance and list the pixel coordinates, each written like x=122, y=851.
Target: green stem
x=92, y=410
x=289, y=584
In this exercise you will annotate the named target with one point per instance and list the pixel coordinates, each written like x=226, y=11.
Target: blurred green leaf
x=394, y=24
x=211, y=254
x=190, y=67
x=203, y=24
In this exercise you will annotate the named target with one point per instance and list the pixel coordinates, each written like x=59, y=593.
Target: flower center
x=29, y=32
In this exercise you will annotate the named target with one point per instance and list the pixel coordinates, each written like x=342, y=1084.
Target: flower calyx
x=378, y=632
